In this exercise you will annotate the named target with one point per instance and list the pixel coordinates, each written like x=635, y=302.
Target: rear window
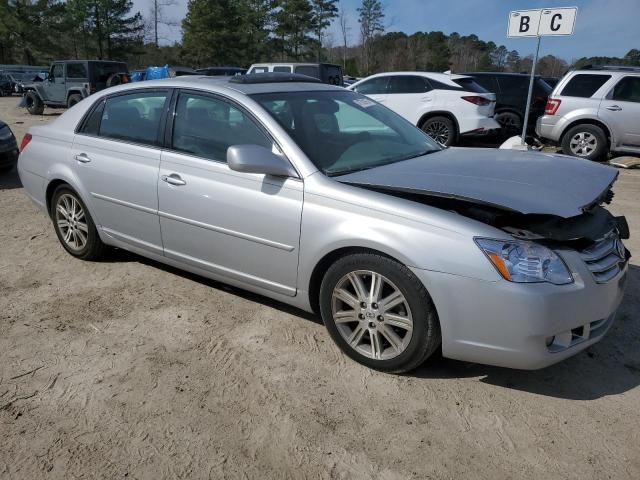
x=76, y=70
x=309, y=70
x=584, y=85
x=470, y=85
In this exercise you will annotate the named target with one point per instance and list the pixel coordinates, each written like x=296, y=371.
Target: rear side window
x=134, y=117
x=627, y=90
x=513, y=84
x=76, y=70
x=91, y=125
x=373, y=86
x=309, y=71
x=584, y=85
x=206, y=127
x=282, y=69
x=408, y=84
x=470, y=85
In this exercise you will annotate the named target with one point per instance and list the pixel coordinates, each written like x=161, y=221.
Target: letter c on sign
x=524, y=23
x=556, y=26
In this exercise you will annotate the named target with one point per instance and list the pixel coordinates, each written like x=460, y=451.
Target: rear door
x=410, y=96
x=241, y=226
x=621, y=110
x=376, y=88
x=116, y=155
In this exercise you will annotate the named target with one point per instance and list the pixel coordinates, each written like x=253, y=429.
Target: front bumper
x=524, y=326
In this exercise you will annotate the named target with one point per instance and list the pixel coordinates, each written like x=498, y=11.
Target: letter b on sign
x=524, y=23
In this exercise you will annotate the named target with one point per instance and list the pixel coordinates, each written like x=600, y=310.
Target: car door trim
x=234, y=274
x=135, y=206
x=226, y=231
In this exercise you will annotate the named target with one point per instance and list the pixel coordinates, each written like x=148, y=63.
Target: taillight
x=552, y=106
x=25, y=141
x=475, y=99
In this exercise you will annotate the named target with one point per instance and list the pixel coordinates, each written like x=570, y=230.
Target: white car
x=443, y=105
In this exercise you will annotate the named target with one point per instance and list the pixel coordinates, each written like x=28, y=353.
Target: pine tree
x=324, y=11
x=371, y=15
x=294, y=23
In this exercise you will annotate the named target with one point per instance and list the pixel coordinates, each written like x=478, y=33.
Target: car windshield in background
x=344, y=132
x=470, y=85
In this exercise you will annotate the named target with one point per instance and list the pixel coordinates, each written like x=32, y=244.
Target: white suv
x=594, y=110
x=444, y=106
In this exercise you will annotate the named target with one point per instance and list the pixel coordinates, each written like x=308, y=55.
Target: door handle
x=173, y=179
x=614, y=108
x=83, y=158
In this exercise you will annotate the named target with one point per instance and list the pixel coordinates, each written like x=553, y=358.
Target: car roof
x=434, y=75
x=214, y=84
x=502, y=74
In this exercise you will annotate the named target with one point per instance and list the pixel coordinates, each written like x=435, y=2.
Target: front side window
x=133, y=117
x=375, y=86
x=206, y=127
x=584, y=85
x=627, y=90
x=259, y=70
x=56, y=71
x=408, y=84
x=76, y=70
x=342, y=132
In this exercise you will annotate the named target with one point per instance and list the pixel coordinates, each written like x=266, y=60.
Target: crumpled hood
x=524, y=182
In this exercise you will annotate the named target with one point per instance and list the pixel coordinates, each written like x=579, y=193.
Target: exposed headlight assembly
x=525, y=262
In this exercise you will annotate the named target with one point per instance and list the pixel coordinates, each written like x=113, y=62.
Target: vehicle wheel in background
x=441, y=129
x=585, y=141
x=34, y=104
x=73, y=99
x=510, y=122
x=74, y=226
x=379, y=313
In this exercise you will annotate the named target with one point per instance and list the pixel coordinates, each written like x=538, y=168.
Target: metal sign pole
x=526, y=113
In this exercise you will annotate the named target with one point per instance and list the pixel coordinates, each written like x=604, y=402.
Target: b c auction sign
x=542, y=22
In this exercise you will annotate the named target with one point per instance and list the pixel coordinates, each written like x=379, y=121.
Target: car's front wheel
x=34, y=103
x=73, y=100
x=74, y=226
x=379, y=313
x=585, y=141
x=441, y=129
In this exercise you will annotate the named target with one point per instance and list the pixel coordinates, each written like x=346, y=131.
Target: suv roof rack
x=624, y=68
x=272, y=77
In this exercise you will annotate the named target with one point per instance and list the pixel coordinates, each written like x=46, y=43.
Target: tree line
x=240, y=32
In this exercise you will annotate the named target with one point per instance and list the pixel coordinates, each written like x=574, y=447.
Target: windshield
x=343, y=132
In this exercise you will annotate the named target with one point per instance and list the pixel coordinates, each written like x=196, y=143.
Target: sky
x=603, y=27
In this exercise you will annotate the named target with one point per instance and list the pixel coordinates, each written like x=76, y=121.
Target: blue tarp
x=156, y=73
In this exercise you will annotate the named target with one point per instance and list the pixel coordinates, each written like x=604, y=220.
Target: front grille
x=570, y=338
x=605, y=258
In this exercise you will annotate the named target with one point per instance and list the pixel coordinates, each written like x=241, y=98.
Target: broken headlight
x=525, y=262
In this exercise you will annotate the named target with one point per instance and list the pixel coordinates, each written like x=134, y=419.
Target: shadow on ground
x=9, y=179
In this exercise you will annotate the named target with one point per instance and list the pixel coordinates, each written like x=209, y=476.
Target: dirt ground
x=129, y=369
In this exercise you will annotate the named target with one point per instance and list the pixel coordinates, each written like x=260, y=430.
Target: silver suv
x=594, y=110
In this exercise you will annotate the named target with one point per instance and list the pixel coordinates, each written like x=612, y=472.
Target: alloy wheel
x=583, y=143
x=372, y=315
x=71, y=222
x=439, y=132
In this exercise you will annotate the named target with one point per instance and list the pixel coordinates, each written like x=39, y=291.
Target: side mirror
x=258, y=159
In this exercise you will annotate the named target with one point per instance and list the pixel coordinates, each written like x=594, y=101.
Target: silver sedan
x=323, y=199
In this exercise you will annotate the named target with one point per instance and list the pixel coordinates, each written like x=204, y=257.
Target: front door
x=240, y=226
x=116, y=154
x=621, y=110
x=411, y=96
x=55, y=88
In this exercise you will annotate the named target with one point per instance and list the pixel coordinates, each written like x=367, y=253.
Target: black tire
x=93, y=249
x=510, y=123
x=425, y=335
x=34, y=103
x=594, y=142
x=441, y=129
x=73, y=99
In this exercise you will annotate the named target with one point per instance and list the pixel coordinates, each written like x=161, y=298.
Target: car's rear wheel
x=74, y=226
x=379, y=313
x=73, y=99
x=34, y=104
x=510, y=123
x=585, y=141
x=441, y=129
